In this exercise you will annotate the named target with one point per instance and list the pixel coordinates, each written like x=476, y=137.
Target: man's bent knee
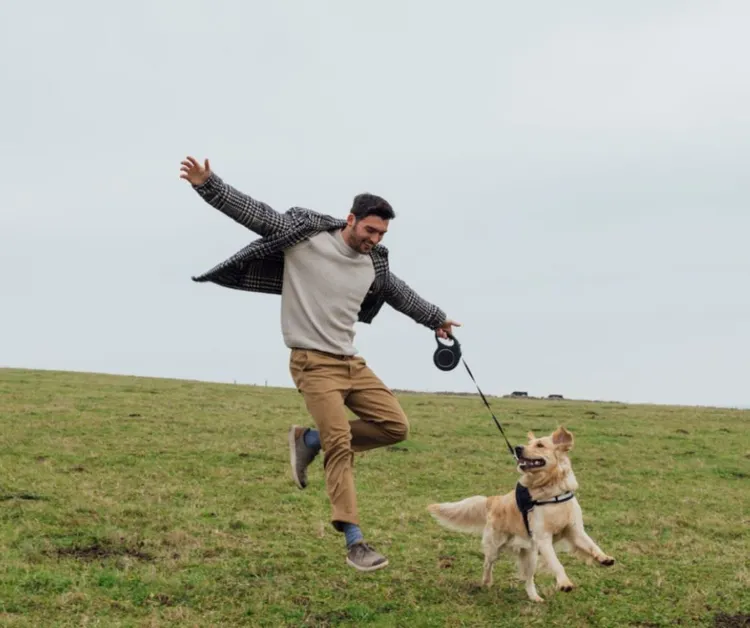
x=399, y=431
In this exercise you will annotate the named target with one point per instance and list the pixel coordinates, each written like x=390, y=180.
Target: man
x=330, y=274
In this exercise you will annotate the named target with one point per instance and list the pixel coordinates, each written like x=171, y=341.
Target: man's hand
x=193, y=172
x=447, y=328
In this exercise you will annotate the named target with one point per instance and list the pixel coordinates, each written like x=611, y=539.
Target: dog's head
x=545, y=460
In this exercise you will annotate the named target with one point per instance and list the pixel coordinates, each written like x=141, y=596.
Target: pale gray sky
x=578, y=167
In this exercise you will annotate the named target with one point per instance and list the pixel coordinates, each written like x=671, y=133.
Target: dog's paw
x=537, y=599
x=607, y=561
x=567, y=586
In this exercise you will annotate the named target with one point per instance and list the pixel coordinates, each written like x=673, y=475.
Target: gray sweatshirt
x=325, y=282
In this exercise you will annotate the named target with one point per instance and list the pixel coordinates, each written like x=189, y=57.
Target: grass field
x=143, y=502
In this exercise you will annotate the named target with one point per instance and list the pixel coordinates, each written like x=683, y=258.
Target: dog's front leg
x=546, y=550
x=585, y=543
x=527, y=559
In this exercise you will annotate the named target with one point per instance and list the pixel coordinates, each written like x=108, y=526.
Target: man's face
x=366, y=233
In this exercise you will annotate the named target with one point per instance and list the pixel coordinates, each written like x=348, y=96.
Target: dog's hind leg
x=491, y=543
x=527, y=559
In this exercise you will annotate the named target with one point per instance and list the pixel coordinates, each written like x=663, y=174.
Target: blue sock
x=312, y=439
x=352, y=533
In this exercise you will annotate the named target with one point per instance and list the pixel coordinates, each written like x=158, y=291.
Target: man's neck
x=344, y=235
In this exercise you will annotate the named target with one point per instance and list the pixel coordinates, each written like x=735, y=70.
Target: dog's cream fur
x=498, y=520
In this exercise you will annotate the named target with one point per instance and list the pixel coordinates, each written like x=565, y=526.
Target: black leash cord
x=486, y=403
x=446, y=358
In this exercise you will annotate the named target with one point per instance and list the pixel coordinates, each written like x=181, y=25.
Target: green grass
x=143, y=502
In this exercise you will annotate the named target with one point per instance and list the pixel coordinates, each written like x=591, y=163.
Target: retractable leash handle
x=446, y=358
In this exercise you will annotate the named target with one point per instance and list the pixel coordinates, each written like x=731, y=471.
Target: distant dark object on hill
x=522, y=394
x=516, y=394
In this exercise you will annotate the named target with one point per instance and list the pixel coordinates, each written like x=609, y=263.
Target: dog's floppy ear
x=562, y=439
x=530, y=435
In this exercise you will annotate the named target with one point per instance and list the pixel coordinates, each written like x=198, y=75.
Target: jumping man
x=330, y=273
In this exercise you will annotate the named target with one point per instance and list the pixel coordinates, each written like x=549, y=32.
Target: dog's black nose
x=519, y=451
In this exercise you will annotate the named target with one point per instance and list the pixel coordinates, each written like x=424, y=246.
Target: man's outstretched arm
x=405, y=300
x=247, y=211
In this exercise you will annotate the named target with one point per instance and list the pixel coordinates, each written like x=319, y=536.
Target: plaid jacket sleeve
x=403, y=299
x=247, y=211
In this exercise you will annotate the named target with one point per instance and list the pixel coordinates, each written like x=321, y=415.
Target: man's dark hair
x=370, y=205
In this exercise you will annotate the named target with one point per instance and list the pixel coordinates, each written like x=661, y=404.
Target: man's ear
x=350, y=220
x=562, y=439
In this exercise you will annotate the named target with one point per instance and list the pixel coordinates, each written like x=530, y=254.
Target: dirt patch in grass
x=331, y=618
x=22, y=496
x=724, y=620
x=102, y=550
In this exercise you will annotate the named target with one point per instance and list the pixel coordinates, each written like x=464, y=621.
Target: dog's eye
x=539, y=445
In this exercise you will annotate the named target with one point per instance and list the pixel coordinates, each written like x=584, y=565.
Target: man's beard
x=361, y=245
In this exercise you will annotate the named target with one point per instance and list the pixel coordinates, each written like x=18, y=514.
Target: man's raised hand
x=193, y=172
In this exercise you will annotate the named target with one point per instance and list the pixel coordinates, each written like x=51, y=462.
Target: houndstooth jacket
x=259, y=266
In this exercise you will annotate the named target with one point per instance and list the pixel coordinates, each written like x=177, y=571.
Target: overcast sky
x=570, y=181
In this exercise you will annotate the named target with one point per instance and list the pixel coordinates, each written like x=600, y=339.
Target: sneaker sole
x=293, y=456
x=373, y=568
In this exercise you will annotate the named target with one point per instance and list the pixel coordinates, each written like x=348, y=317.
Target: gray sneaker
x=300, y=455
x=361, y=556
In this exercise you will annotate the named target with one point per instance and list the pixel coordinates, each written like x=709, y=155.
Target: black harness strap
x=526, y=504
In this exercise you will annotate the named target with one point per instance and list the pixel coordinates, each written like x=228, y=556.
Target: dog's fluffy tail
x=469, y=515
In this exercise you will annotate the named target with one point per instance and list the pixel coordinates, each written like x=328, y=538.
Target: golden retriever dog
x=546, y=490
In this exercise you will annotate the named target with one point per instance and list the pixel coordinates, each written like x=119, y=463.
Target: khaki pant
x=330, y=384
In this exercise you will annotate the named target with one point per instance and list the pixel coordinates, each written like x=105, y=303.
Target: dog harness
x=526, y=504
